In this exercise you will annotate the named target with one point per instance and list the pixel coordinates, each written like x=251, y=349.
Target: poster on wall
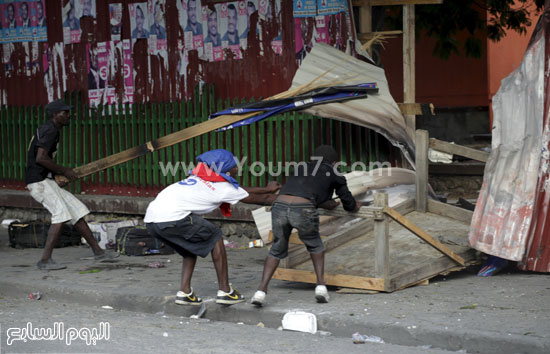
x=330, y=7
x=96, y=83
x=246, y=9
x=270, y=14
x=22, y=21
x=85, y=8
x=213, y=49
x=71, y=23
x=157, y=30
x=190, y=19
x=322, y=29
x=229, y=24
x=139, y=23
x=304, y=8
x=127, y=71
x=115, y=21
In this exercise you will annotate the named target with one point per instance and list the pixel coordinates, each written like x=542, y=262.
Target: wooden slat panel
x=348, y=281
x=450, y=211
x=424, y=235
x=449, y=148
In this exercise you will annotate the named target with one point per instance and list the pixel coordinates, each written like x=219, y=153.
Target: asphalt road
x=130, y=332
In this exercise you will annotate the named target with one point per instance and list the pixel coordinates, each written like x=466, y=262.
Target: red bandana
x=202, y=171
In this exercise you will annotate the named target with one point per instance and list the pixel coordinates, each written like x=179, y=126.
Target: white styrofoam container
x=300, y=321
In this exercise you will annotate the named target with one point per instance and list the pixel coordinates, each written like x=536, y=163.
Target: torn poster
x=139, y=23
x=115, y=20
x=71, y=24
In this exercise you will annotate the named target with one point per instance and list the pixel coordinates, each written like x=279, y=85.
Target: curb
x=393, y=333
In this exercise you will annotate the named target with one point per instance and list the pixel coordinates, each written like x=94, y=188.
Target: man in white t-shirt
x=174, y=218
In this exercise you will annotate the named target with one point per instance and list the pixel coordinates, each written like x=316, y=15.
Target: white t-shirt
x=192, y=195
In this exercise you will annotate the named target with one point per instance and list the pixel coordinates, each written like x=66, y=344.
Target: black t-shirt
x=47, y=137
x=318, y=183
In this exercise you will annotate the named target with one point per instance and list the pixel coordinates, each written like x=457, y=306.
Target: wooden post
x=421, y=159
x=382, y=238
x=365, y=20
x=409, y=79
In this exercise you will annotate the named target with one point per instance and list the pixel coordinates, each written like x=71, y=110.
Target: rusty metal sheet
x=537, y=255
x=505, y=208
x=261, y=73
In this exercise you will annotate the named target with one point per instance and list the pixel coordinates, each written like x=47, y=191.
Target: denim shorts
x=303, y=217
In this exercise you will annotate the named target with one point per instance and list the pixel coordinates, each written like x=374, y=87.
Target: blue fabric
x=220, y=161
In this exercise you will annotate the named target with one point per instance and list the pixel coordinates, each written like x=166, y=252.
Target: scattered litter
x=438, y=156
x=156, y=265
x=107, y=307
x=324, y=333
x=260, y=324
x=359, y=338
x=168, y=261
x=469, y=307
x=35, y=295
x=200, y=313
x=96, y=270
x=300, y=321
x=240, y=323
x=165, y=334
x=280, y=328
x=231, y=244
x=160, y=313
x=256, y=243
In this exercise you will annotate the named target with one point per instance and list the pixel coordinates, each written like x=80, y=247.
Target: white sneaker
x=321, y=293
x=258, y=298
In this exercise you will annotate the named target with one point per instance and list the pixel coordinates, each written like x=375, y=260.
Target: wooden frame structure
x=376, y=219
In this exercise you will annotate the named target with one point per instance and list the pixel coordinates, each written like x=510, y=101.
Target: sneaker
x=230, y=298
x=188, y=299
x=321, y=294
x=49, y=265
x=106, y=256
x=258, y=298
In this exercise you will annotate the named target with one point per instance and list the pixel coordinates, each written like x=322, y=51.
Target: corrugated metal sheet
x=510, y=219
x=260, y=73
x=537, y=255
x=378, y=111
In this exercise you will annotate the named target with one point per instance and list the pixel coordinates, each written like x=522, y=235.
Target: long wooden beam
x=424, y=235
x=347, y=281
x=449, y=148
x=394, y=2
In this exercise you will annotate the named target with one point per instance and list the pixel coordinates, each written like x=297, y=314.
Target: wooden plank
x=423, y=235
x=394, y=2
x=366, y=36
x=455, y=149
x=450, y=211
x=348, y=281
x=416, y=108
x=426, y=271
x=422, y=166
x=301, y=255
x=409, y=78
x=381, y=240
x=360, y=228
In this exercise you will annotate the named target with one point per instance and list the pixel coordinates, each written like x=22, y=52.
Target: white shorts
x=61, y=204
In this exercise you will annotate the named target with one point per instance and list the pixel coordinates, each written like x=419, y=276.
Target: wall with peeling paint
x=260, y=73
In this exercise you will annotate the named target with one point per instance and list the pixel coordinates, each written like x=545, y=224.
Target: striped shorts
x=61, y=204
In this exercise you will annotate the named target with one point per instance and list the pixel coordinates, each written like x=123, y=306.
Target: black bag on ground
x=33, y=234
x=136, y=241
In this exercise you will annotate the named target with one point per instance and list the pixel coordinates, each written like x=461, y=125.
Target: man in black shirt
x=40, y=182
x=310, y=187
